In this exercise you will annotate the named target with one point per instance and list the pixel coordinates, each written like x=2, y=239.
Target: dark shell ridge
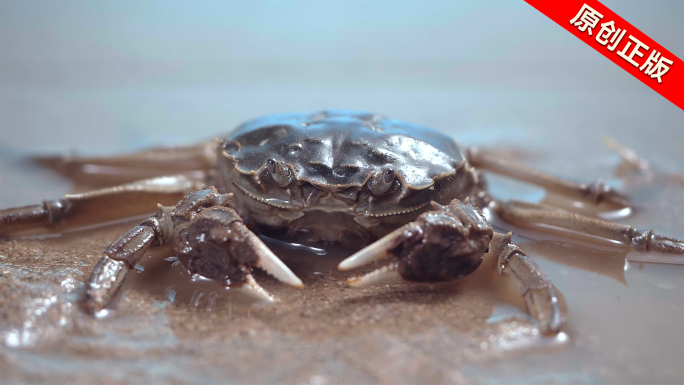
x=343, y=148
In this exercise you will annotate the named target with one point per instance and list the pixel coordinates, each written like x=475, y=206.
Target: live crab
x=409, y=192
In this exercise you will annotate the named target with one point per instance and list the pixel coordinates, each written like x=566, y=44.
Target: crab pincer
x=218, y=246
x=209, y=239
x=449, y=243
x=441, y=245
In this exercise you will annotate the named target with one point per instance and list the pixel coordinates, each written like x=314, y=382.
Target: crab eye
x=381, y=182
x=388, y=175
x=279, y=172
x=271, y=165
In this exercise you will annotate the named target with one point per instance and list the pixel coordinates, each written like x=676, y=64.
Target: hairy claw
x=441, y=245
x=217, y=245
x=209, y=239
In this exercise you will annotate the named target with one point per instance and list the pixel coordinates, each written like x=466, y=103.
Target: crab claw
x=217, y=245
x=383, y=276
x=441, y=245
x=268, y=262
x=375, y=252
x=252, y=289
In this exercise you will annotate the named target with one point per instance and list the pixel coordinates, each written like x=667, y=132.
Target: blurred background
x=102, y=77
x=106, y=77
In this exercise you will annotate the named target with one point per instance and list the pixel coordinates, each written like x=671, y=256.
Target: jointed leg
x=97, y=206
x=122, y=256
x=637, y=164
x=541, y=297
x=594, y=193
x=209, y=239
x=112, y=170
x=522, y=213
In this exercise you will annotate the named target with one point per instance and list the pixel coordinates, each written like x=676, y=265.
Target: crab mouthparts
x=314, y=198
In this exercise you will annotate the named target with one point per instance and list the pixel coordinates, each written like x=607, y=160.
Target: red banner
x=620, y=42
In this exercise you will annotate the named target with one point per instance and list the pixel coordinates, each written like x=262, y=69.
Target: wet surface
x=167, y=326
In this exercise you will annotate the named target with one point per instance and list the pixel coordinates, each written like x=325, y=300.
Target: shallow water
x=625, y=317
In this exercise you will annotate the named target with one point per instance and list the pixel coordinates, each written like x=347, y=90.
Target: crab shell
x=316, y=176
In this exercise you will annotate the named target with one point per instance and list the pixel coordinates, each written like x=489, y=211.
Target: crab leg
x=594, y=193
x=523, y=213
x=121, y=256
x=542, y=299
x=190, y=160
x=637, y=163
x=97, y=206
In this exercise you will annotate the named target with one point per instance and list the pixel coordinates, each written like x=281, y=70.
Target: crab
x=409, y=193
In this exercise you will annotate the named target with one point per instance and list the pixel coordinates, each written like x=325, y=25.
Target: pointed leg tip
x=94, y=306
x=548, y=329
x=90, y=308
x=46, y=161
